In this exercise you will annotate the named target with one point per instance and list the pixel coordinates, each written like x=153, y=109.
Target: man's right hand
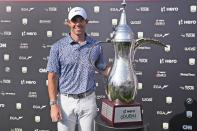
x=55, y=113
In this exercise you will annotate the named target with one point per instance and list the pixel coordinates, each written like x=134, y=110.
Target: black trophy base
x=100, y=125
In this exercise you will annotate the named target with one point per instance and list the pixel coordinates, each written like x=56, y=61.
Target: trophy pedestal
x=121, y=115
x=100, y=125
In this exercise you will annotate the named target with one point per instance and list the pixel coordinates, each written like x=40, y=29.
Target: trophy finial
x=123, y=32
x=124, y=4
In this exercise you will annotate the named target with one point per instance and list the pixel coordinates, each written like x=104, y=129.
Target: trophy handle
x=92, y=62
x=140, y=42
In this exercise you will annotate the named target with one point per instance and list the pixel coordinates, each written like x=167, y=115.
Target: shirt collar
x=71, y=41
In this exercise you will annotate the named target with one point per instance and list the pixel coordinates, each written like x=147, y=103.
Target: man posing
x=71, y=77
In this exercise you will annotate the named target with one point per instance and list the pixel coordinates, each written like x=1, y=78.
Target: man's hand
x=107, y=71
x=55, y=113
x=52, y=90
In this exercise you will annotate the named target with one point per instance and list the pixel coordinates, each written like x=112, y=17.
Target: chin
x=79, y=33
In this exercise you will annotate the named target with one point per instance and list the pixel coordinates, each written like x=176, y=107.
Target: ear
x=67, y=22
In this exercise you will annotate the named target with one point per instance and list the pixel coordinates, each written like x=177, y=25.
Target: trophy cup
x=121, y=109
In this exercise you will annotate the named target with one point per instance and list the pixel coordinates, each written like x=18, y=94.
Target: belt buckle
x=81, y=95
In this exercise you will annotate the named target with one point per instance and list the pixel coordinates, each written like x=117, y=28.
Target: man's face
x=77, y=25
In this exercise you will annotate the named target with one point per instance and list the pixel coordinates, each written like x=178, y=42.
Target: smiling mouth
x=78, y=29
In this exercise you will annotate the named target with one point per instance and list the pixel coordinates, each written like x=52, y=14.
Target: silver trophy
x=120, y=108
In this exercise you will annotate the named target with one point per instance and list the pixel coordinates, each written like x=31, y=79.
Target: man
x=71, y=77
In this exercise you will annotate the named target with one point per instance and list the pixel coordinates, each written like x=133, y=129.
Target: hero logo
x=187, y=127
x=3, y=45
x=16, y=118
x=169, y=9
x=160, y=87
x=168, y=61
x=28, y=82
x=186, y=22
x=43, y=70
x=147, y=99
x=25, y=33
x=187, y=87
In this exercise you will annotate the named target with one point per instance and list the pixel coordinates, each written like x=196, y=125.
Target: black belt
x=79, y=96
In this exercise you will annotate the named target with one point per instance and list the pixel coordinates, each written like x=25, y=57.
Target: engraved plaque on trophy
x=119, y=115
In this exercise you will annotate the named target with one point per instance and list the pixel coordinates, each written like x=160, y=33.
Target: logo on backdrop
x=3, y=45
x=39, y=107
x=25, y=9
x=16, y=118
x=22, y=61
x=169, y=9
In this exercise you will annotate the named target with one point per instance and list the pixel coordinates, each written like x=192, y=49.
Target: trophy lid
x=123, y=32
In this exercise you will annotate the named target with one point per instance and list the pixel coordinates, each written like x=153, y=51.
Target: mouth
x=78, y=27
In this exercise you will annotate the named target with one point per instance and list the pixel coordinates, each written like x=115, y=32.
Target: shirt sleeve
x=53, y=61
x=101, y=61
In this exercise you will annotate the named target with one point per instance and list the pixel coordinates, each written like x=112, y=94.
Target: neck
x=78, y=38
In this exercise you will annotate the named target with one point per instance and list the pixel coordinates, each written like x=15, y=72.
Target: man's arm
x=52, y=86
x=52, y=90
